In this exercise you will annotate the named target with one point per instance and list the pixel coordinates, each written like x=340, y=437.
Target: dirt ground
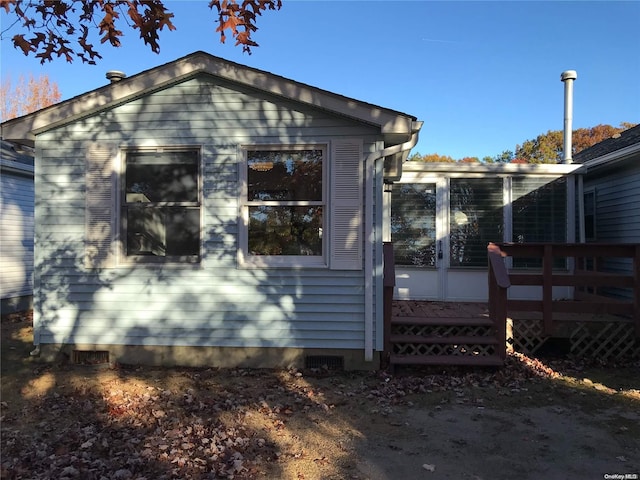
x=532, y=419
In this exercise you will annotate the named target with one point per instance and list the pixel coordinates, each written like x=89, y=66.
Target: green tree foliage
x=431, y=158
x=51, y=24
x=505, y=157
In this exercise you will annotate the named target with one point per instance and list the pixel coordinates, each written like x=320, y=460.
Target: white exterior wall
x=214, y=303
x=16, y=234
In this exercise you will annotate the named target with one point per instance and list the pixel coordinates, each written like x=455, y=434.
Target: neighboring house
x=445, y=214
x=611, y=195
x=205, y=212
x=16, y=227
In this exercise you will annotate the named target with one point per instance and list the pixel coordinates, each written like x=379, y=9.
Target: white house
x=16, y=227
x=205, y=212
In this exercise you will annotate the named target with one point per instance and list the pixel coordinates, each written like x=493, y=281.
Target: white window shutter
x=346, y=205
x=100, y=211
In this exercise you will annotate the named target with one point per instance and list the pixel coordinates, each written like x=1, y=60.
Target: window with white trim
x=160, y=207
x=284, y=206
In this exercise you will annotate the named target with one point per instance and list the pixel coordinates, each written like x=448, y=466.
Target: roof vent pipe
x=115, y=76
x=568, y=77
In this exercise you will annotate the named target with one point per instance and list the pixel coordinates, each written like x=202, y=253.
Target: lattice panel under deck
x=604, y=340
x=443, y=349
x=527, y=336
x=443, y=331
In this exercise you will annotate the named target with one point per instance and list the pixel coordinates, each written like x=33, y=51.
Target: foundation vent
x=90, y=357
x=327, y=362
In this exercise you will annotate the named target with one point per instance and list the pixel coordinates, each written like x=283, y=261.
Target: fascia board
x=16, y=167
x=389, y=121
x=495, y=168
x=612, y=157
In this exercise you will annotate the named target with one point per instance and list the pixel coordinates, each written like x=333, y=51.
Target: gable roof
x=616, y=147
x=24, y=129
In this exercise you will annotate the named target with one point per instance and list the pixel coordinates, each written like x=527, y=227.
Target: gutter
x=369, y=234
x=611, y=157
x=18, y=168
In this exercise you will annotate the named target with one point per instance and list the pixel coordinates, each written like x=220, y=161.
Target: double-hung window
x=160, y=207
x=283, y=206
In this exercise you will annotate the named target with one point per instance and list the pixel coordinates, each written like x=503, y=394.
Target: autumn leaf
x=56, y=21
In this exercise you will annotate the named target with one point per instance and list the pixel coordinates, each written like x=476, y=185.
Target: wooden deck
x=479, y=334
x=442, y=333
x=426, y=309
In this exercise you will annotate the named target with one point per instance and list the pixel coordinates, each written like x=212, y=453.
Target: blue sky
x=483, y=76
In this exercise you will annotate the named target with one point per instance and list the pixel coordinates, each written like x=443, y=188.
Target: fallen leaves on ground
x=214, y=423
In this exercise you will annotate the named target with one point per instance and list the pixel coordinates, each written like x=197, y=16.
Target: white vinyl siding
x=617, y=206
x=16, y=233
x=213, y=303
x=617, y=213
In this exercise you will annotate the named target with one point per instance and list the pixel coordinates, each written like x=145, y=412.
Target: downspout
x=369, y=168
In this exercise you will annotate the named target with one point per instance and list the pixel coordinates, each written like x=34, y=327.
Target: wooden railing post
x=498, y=285
x=547, y=290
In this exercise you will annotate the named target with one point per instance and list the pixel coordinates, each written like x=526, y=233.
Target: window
x=539, y=210
x=160, y=218
x=413, y=224
x=283, y=206
x=590, y=215
x=475, y=219
x=539, y=213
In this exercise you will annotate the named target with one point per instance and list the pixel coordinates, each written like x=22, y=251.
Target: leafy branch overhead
x=52, y=26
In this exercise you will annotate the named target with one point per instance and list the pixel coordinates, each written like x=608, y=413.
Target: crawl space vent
x=90, y=357
x=328, y=362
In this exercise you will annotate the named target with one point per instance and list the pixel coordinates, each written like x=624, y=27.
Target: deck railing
x=588, y=279
x=498, y=284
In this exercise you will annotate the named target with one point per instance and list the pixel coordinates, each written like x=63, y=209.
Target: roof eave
x=24, y=129
x=613, y=157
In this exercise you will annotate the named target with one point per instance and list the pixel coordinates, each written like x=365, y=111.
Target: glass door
x=417, y=240
x=440, y=228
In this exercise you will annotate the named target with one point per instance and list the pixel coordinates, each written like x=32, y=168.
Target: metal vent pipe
x=568, y=77
x=115, y=76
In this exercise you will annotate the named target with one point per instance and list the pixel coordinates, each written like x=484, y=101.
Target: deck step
x=453, y=340
x=447, y=360
x=443, y=321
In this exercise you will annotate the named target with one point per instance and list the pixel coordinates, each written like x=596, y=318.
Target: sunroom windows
x=448, y=222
